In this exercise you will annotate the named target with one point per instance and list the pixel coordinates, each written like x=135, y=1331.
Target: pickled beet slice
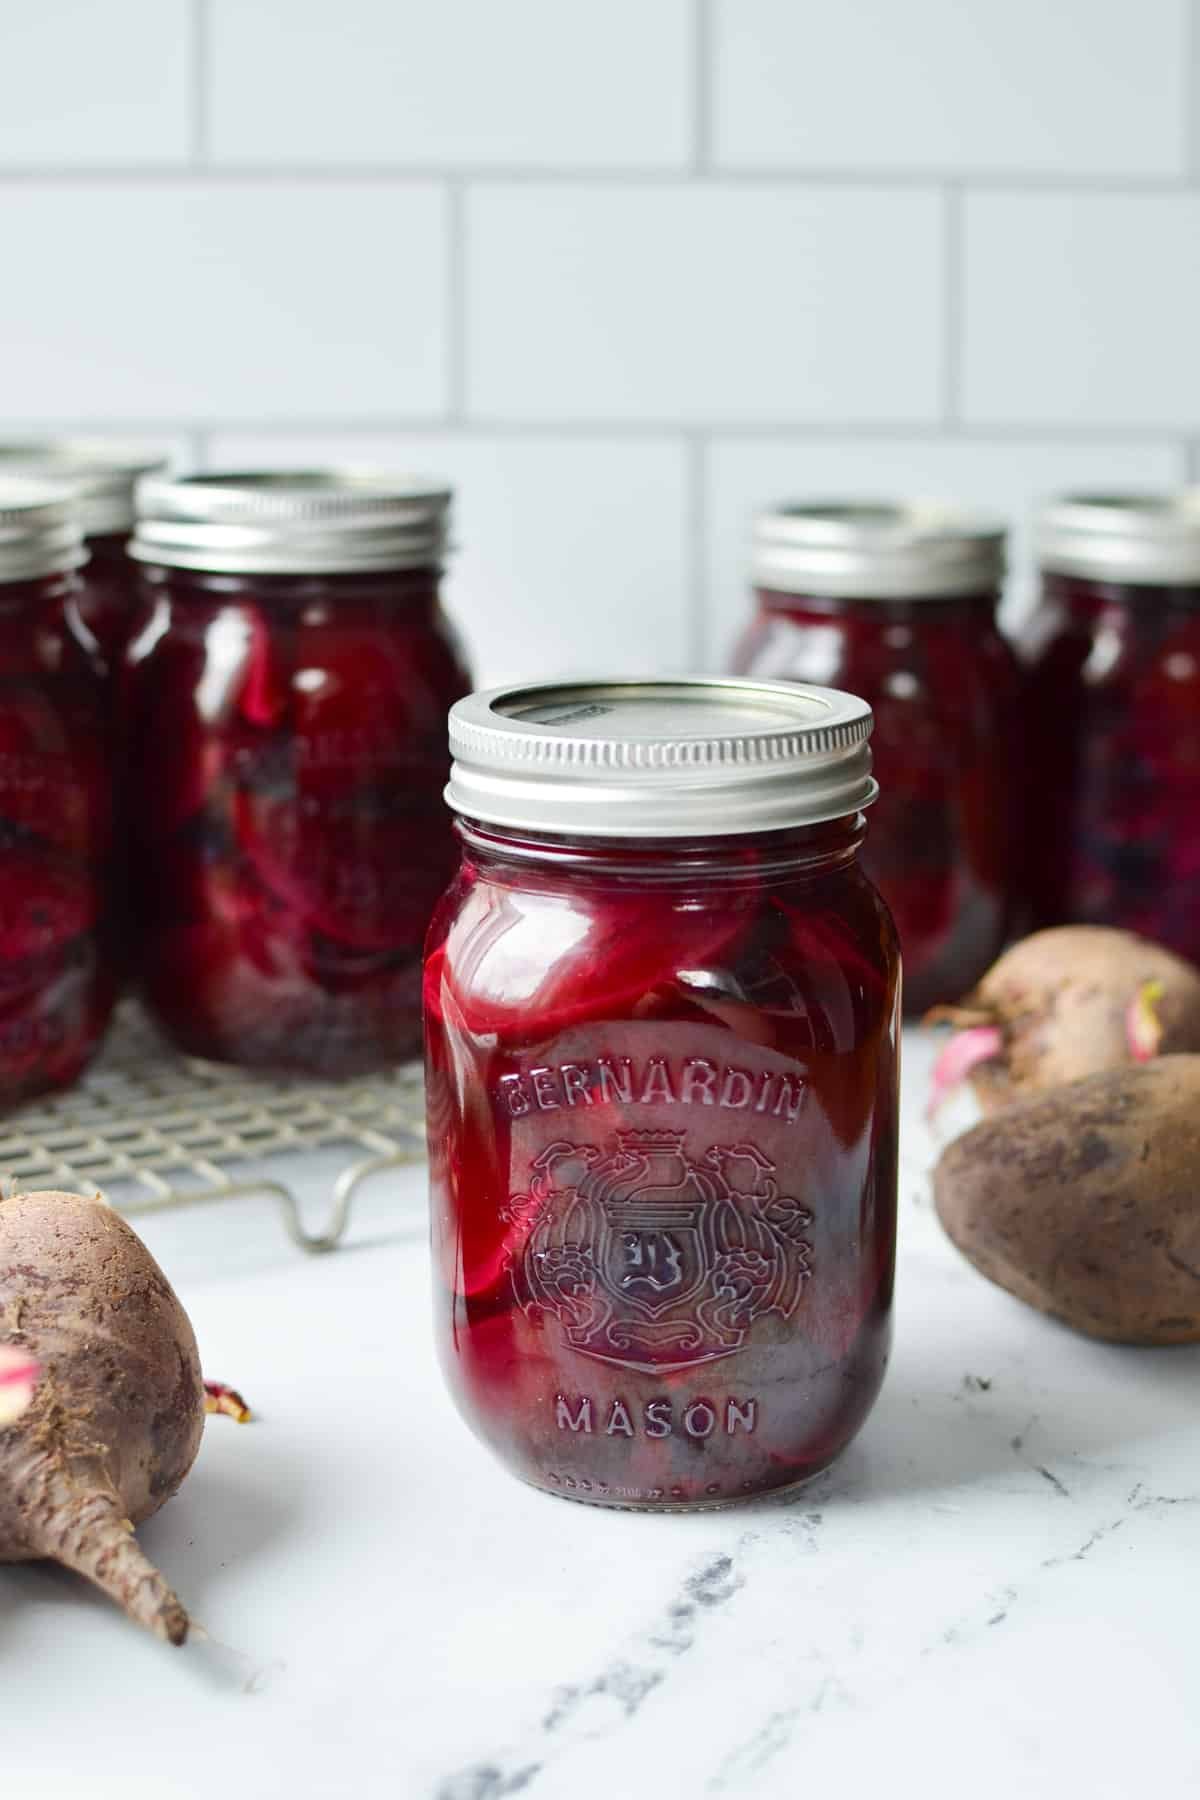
x=521, y=972
x=291, y=841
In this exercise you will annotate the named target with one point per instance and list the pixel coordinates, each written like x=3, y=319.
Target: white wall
x=622, y=269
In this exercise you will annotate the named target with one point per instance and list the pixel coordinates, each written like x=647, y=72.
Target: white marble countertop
x=994, y=1593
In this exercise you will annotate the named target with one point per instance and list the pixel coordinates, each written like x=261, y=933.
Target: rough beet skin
x=116, y=1417
x=1066, y=1003
x=1083, y=1202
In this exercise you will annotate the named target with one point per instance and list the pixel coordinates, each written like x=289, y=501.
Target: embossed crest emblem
x=652, y=1260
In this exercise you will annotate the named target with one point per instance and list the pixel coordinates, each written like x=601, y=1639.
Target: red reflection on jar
x=286, y=739
x=662, y=1118
x=944, y=839
x=56, y=982
x=1116, y=749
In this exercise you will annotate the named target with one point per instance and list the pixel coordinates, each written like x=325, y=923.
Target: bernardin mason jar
x=56, y=778
x=102, y=475
x=1115, y=650
x=661, y=1004
x=284, y=707
x=898, y=603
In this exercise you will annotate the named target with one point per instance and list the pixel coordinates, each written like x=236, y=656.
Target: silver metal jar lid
x=303, y=522
x=39, y=530
x=877, y=550
x=677, y=757
x=1152, y=538
x=101, y=474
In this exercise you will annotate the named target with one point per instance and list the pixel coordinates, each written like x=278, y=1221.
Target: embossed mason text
x=657, y=1419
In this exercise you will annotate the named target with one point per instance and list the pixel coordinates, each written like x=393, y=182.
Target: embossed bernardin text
x=652, y=1257
x=586, y=1417
x=652, y=1081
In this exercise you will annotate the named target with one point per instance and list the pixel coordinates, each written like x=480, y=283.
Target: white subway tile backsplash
x=82, y=82
x=197, y=301
x=1008, y=478
x=1082, y=309
x=703, y=302
x=1073, y=87
x=537, y=83
x=573, y=254
x=571, y=552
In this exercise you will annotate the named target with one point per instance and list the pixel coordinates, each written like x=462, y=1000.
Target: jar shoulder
x=508, y=958
x=932, y=657
x=1107, y=638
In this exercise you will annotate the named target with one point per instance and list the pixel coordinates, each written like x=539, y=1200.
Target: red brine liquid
x=1115, y=741
x=56, y=925
x=662, y=1125
x=944, y=844
x=286, y=756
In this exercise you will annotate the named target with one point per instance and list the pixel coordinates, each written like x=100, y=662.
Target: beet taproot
x=116, y=1415
x=1063, y=1004
x=1085, y=1202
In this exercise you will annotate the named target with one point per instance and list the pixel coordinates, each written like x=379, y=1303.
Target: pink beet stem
x=21, y=1372
x=978, y=1044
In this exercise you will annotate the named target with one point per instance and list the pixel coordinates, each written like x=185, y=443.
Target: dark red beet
x=1115, y=743
x=943, y=842
x=56, y=948
x=286, y=760
x=610, y=1030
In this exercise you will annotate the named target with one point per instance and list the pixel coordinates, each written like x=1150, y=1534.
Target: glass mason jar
x=102, y=476
x=898, y=604
x=661, y=1039
x=1115, y=727
x=284, y=706
x=56, y=983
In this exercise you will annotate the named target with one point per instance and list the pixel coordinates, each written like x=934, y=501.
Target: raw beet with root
x=1066, y=1003
x=116, y=1412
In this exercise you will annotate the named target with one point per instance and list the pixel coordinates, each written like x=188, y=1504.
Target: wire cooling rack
x=151, y=1129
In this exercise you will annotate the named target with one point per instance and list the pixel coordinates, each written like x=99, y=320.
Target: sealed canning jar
x=661, y=1015
x=56, y=987
x=898, y=604
x=285, y=705
x=102, y=476
x=1116, y=716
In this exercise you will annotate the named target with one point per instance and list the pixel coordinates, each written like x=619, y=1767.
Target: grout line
x=1191, y=89
x=695, y=549
x=612, y=430
x=954, y=319
x=201, y=72
x=456, y=302
x=411, y=175
x=1191, y=461
x=199, y=447
x=702, y=87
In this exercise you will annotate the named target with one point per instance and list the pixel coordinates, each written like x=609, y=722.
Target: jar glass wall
x=286, y=743
x=102, y=474
x=1115, y=718
x=56, y=775
x=899, y=605
x=662, y=1124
